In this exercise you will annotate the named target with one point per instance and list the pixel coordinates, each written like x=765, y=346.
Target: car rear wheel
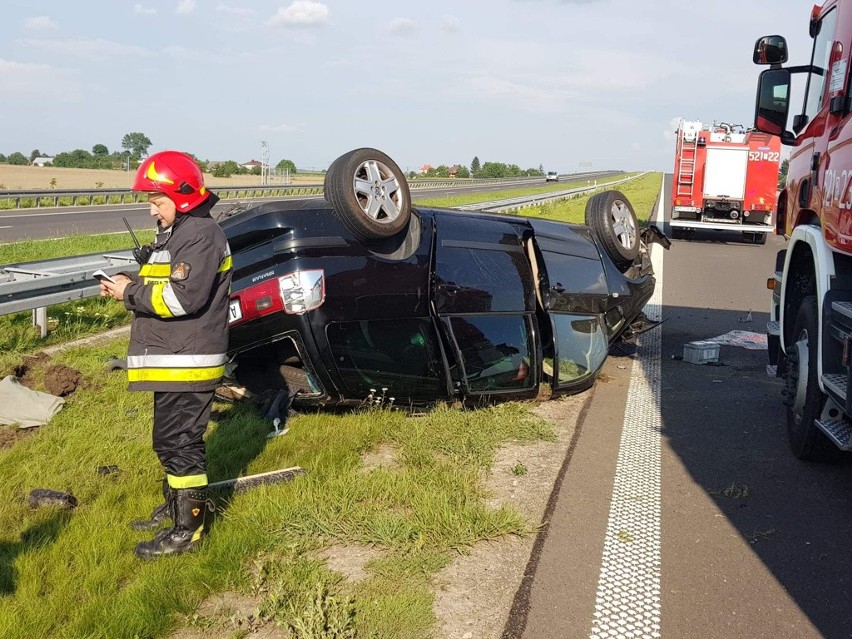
x=612, y=220
x=369, y=194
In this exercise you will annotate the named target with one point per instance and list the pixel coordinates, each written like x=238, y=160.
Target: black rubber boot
x=161, y=513
x=190, y=510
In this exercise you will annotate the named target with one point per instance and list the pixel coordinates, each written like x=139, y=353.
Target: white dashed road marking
x=628, y=595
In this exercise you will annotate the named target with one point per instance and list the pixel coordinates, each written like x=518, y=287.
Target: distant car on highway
x=552, y=176
x=363, y=296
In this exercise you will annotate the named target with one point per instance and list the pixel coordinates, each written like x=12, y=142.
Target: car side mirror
x=770, y=50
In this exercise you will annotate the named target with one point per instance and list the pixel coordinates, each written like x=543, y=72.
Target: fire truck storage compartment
x=725, y=173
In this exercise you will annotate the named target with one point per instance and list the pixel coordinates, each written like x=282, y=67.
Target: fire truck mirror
x=770, y=50
x=773, y=101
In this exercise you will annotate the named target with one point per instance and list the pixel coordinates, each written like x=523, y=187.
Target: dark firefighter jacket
x=179, y=334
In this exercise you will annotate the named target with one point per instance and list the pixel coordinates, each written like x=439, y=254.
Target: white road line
x=628, y=596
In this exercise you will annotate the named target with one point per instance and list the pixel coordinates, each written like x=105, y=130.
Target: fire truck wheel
x=802, y=397
x=612, y=220
x=678, y=233
x=369, y=194
x=760, y=238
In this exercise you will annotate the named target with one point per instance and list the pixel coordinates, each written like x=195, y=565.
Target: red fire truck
x=725, y=178
x=810, y=332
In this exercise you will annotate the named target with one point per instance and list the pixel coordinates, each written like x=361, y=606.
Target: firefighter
x=178, y=338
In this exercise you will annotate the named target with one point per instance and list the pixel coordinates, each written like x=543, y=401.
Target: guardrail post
x=40, y=320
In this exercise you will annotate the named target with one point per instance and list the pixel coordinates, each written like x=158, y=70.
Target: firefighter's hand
x=115, y=291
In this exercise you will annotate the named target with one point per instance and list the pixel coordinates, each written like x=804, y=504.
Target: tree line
x=135, y=145
x=479, y=169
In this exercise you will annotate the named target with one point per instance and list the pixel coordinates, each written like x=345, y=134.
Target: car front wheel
x=369, y=193
x=611, y=218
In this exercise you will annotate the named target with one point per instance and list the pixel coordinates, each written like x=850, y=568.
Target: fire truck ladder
x=686, y=165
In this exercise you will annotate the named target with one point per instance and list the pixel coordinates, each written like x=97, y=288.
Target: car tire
x=613, y=221
x=369, y=194
x=804, y=400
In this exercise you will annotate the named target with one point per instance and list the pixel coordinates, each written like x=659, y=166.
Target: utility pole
x=264, y=164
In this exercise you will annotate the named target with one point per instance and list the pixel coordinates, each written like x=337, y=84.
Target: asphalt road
x=744, y=540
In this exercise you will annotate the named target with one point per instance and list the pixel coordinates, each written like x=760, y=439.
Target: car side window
x=496, y=351
x=581, y=348
x=401, y=355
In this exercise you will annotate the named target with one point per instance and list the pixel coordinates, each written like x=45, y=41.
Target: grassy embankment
x=72, y=573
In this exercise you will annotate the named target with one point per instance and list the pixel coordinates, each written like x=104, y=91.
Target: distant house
x=453, y=170
x=425, y=168
x=43, y=161
x=251, y=164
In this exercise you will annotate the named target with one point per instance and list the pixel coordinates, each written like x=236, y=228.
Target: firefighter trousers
x=180, y=419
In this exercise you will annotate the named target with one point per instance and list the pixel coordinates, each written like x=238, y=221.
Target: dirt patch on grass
x=10, y=435
x=383, y=456
x=474, y=593
x=228, y=614
x=36, y=373
x=350, y=560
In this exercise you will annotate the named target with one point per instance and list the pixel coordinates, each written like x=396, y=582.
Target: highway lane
x=743, y=539
x=21, y=224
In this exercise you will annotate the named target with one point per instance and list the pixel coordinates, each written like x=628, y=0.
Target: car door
x=485, y=299
x=575, y=295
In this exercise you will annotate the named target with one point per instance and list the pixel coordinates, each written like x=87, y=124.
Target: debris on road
x=744, y=339
x=701, y=352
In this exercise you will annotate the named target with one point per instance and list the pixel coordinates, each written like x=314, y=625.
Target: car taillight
x=294, y=293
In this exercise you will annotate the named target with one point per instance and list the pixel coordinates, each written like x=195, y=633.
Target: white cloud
x=300, y=13
x=97, y=49
x=38, y=81
x=242, y=12
x=41, y=23
x=450, y=24
x=185, y=7
x=140, y=10
x=401, y=25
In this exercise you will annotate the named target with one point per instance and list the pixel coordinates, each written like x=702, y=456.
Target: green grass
x=73, y=573
x=450, y=201
x=641, y=192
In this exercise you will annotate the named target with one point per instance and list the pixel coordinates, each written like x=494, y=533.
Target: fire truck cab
x=810, y=332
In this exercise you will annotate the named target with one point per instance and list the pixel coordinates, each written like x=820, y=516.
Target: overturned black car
x=360, y=297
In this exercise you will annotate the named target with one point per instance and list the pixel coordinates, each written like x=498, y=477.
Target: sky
x=568, y=85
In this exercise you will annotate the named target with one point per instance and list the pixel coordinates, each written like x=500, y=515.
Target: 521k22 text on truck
x=810, y=328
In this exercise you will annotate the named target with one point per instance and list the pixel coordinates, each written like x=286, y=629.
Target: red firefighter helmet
x=174, y=174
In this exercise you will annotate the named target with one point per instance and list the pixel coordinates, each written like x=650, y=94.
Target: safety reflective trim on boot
x=188, y=481
x=197, y=534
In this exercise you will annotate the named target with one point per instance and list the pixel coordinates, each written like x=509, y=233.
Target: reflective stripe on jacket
x=179, y=333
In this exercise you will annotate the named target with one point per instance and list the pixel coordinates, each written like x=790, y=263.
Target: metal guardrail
x=99, y=197
x=33, y=285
